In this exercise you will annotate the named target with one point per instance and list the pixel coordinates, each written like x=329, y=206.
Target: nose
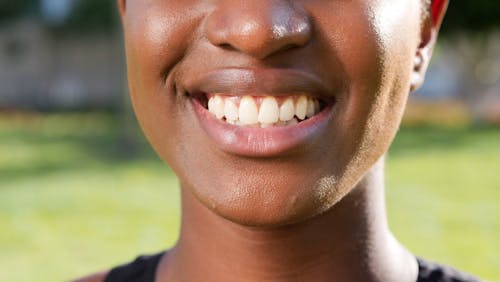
x=259, y=28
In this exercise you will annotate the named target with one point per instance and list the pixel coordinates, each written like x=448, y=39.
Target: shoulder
x=143, y=268
x=433, y=272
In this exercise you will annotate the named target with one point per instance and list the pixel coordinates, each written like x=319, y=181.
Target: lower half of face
x=270, y=129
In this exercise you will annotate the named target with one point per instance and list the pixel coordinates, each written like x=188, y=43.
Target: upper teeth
x=262, y=111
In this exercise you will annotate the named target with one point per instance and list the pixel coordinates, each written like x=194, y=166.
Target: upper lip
x=259, y=82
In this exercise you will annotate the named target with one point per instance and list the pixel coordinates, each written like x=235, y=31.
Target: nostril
x=226, y=46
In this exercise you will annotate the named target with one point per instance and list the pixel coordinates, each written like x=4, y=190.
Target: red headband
x=437, y=5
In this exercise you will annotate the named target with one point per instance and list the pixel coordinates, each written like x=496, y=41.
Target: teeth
x=316, y=106
x=301, y=107
x=292, y=122
x=287, y=110
x=269, y=111
x=248, y=111
x=216, y=106
x=310, y=108
x=263, y=111
x=230, y=111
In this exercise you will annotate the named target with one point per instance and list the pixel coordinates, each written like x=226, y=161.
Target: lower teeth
x=293, y=121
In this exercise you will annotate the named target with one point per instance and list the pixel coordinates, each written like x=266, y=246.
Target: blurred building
x=40, y=70
x=464, y=76
x=50, y=59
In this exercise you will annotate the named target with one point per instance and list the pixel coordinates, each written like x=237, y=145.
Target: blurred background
x=81, y=190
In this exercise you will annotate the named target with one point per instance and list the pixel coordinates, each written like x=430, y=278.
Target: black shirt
x=143, y=269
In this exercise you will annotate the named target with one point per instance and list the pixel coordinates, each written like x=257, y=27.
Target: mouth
x=261, y=113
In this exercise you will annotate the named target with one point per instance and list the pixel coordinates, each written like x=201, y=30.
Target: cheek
x=156, y=36
x=376, y=58
x=397, y=36
x=381, y=76
x=360, y=52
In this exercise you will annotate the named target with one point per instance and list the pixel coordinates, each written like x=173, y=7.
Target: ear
x=428, y=36
x=122, y=5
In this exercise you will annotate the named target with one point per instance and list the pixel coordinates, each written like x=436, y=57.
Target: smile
x=263, y=111
x=288, y=113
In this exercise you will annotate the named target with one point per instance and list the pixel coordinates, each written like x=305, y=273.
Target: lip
x=261, y=142
x=259, y=82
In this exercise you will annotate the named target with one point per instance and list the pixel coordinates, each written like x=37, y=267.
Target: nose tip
x=258, y=28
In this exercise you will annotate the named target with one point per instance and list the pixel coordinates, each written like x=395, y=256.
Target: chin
x=284, y=200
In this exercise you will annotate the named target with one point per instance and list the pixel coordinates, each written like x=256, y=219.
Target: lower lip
x=262, y=142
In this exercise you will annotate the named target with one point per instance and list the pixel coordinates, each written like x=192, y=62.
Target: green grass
x=78, y=195
x=444, y=196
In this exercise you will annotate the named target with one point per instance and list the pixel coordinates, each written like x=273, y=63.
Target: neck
x=350, y=242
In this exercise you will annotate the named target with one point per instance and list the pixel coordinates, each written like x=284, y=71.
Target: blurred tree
x=10, y=9
x=476, y=53
x=90, y=16
x=472, y=16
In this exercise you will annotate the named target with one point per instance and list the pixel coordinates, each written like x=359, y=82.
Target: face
x=304, y=96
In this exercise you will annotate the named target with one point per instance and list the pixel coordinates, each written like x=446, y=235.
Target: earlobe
x=428, y=36
x=420, y=62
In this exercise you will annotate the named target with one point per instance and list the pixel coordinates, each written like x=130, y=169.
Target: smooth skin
x=316, y=213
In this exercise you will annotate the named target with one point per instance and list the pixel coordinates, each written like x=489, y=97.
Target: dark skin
x=313, y=211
